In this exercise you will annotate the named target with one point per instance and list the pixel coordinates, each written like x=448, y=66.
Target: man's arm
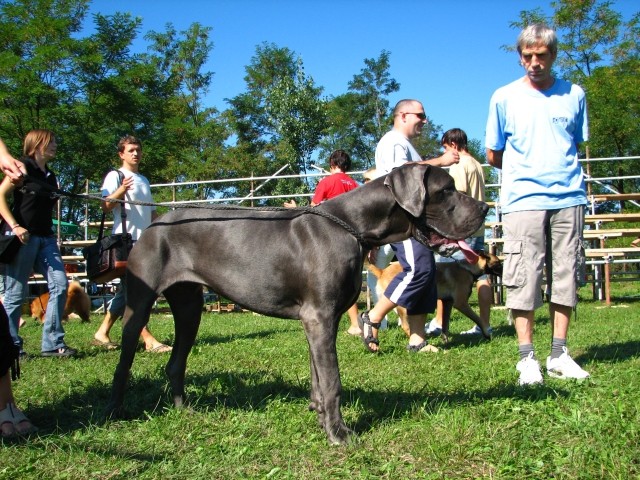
x=9, y=165
x=447, y=158
x=118, y=194
x=494, y=157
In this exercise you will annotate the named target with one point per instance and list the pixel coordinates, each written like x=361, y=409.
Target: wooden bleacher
x=613, y=197
x=600, y=229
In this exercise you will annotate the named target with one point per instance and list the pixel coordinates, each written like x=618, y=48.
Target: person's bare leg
x=416, y=328
x=151, y=344
x=102, y=335
x=376, y=315
x=524, y=326
x=354, y=328
x=560, y=315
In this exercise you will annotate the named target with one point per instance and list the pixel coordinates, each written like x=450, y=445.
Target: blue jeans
x=42, y=255
x=119, y=301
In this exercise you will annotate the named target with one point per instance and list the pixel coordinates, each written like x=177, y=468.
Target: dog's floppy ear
x=407, y=187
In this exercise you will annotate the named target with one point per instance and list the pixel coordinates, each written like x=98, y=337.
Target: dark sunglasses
x=421, y=115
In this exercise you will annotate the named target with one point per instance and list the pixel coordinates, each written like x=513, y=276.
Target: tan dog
x=454, y=280
x=77, y=302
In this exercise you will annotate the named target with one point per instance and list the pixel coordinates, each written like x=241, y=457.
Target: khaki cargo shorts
x=539, y=239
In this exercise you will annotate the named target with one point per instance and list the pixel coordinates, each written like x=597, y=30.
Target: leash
x=58, y=193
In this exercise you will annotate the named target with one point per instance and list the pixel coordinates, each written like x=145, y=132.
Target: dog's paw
x=340, y=435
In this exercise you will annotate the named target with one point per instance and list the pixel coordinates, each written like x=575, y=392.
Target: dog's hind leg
x=326, y=387
x=186, y=301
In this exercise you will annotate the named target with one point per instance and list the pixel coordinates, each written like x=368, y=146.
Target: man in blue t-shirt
x=534, y=127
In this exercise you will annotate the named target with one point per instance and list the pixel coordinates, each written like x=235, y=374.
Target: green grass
x=454, y=414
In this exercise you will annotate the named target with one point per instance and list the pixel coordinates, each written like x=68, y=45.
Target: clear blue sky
x=445, y=53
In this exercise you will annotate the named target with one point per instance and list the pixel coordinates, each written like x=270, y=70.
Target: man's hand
x=11, y=167
x=448, y=158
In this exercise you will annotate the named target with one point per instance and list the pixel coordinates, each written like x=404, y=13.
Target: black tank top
x=33, y=208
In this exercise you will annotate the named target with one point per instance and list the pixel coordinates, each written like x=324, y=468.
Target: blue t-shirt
x=539, y=132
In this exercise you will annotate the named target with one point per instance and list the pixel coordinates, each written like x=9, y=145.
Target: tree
x=193, y=135
x=362, y=116
x=92, y=90
x=279, y=119
x=428, y=143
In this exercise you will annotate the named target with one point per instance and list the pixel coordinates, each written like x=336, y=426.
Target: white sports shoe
x=433, y=329
x=565, y=367
x=476, y=330
x=529, y=369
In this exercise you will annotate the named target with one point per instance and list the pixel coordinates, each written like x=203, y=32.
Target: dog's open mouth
x=445, y=246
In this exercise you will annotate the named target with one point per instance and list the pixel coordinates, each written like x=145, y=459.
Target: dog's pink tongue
x=469, y=254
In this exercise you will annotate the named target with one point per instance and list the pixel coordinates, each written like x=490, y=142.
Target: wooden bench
x=626, y=252
x=613, y=217
x=107, y=223
x=78, y=243
x=613, y=197
x=605, y=233
x=589, y=219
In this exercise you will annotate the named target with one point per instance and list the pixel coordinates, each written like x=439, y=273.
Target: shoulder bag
x=107, y=258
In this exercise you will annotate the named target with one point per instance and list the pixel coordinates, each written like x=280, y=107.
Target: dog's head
x=490, y=264
x=441, y=215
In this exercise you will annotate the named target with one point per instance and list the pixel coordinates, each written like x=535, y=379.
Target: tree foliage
x=280, y=118
x=360, y=117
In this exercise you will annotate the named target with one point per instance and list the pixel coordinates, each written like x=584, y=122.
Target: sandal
x=421, y=348
x=6, y=418
x=367, y=327
x=18, y=418
x=14, y=416
x=160, y=348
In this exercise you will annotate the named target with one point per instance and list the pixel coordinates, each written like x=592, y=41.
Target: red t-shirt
x=332, y=186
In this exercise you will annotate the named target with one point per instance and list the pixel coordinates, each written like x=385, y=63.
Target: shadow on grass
x=397, y=403
x=611, y=352
x=147, y=397
x=217, y=339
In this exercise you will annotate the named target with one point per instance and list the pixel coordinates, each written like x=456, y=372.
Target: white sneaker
x=529, y=369
x=565, y=367
x=476, y=330
x=433, y=329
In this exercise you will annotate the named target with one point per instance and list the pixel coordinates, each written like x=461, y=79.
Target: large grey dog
x=301, y=263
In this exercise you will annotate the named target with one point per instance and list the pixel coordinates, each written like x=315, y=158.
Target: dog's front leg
x=326, y=387
x=447, y=307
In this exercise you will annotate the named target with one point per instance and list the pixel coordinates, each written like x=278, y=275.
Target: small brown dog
x=455, y=281
x=77, y=302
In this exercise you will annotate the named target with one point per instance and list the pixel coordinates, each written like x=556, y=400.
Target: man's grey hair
x=538, y=33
